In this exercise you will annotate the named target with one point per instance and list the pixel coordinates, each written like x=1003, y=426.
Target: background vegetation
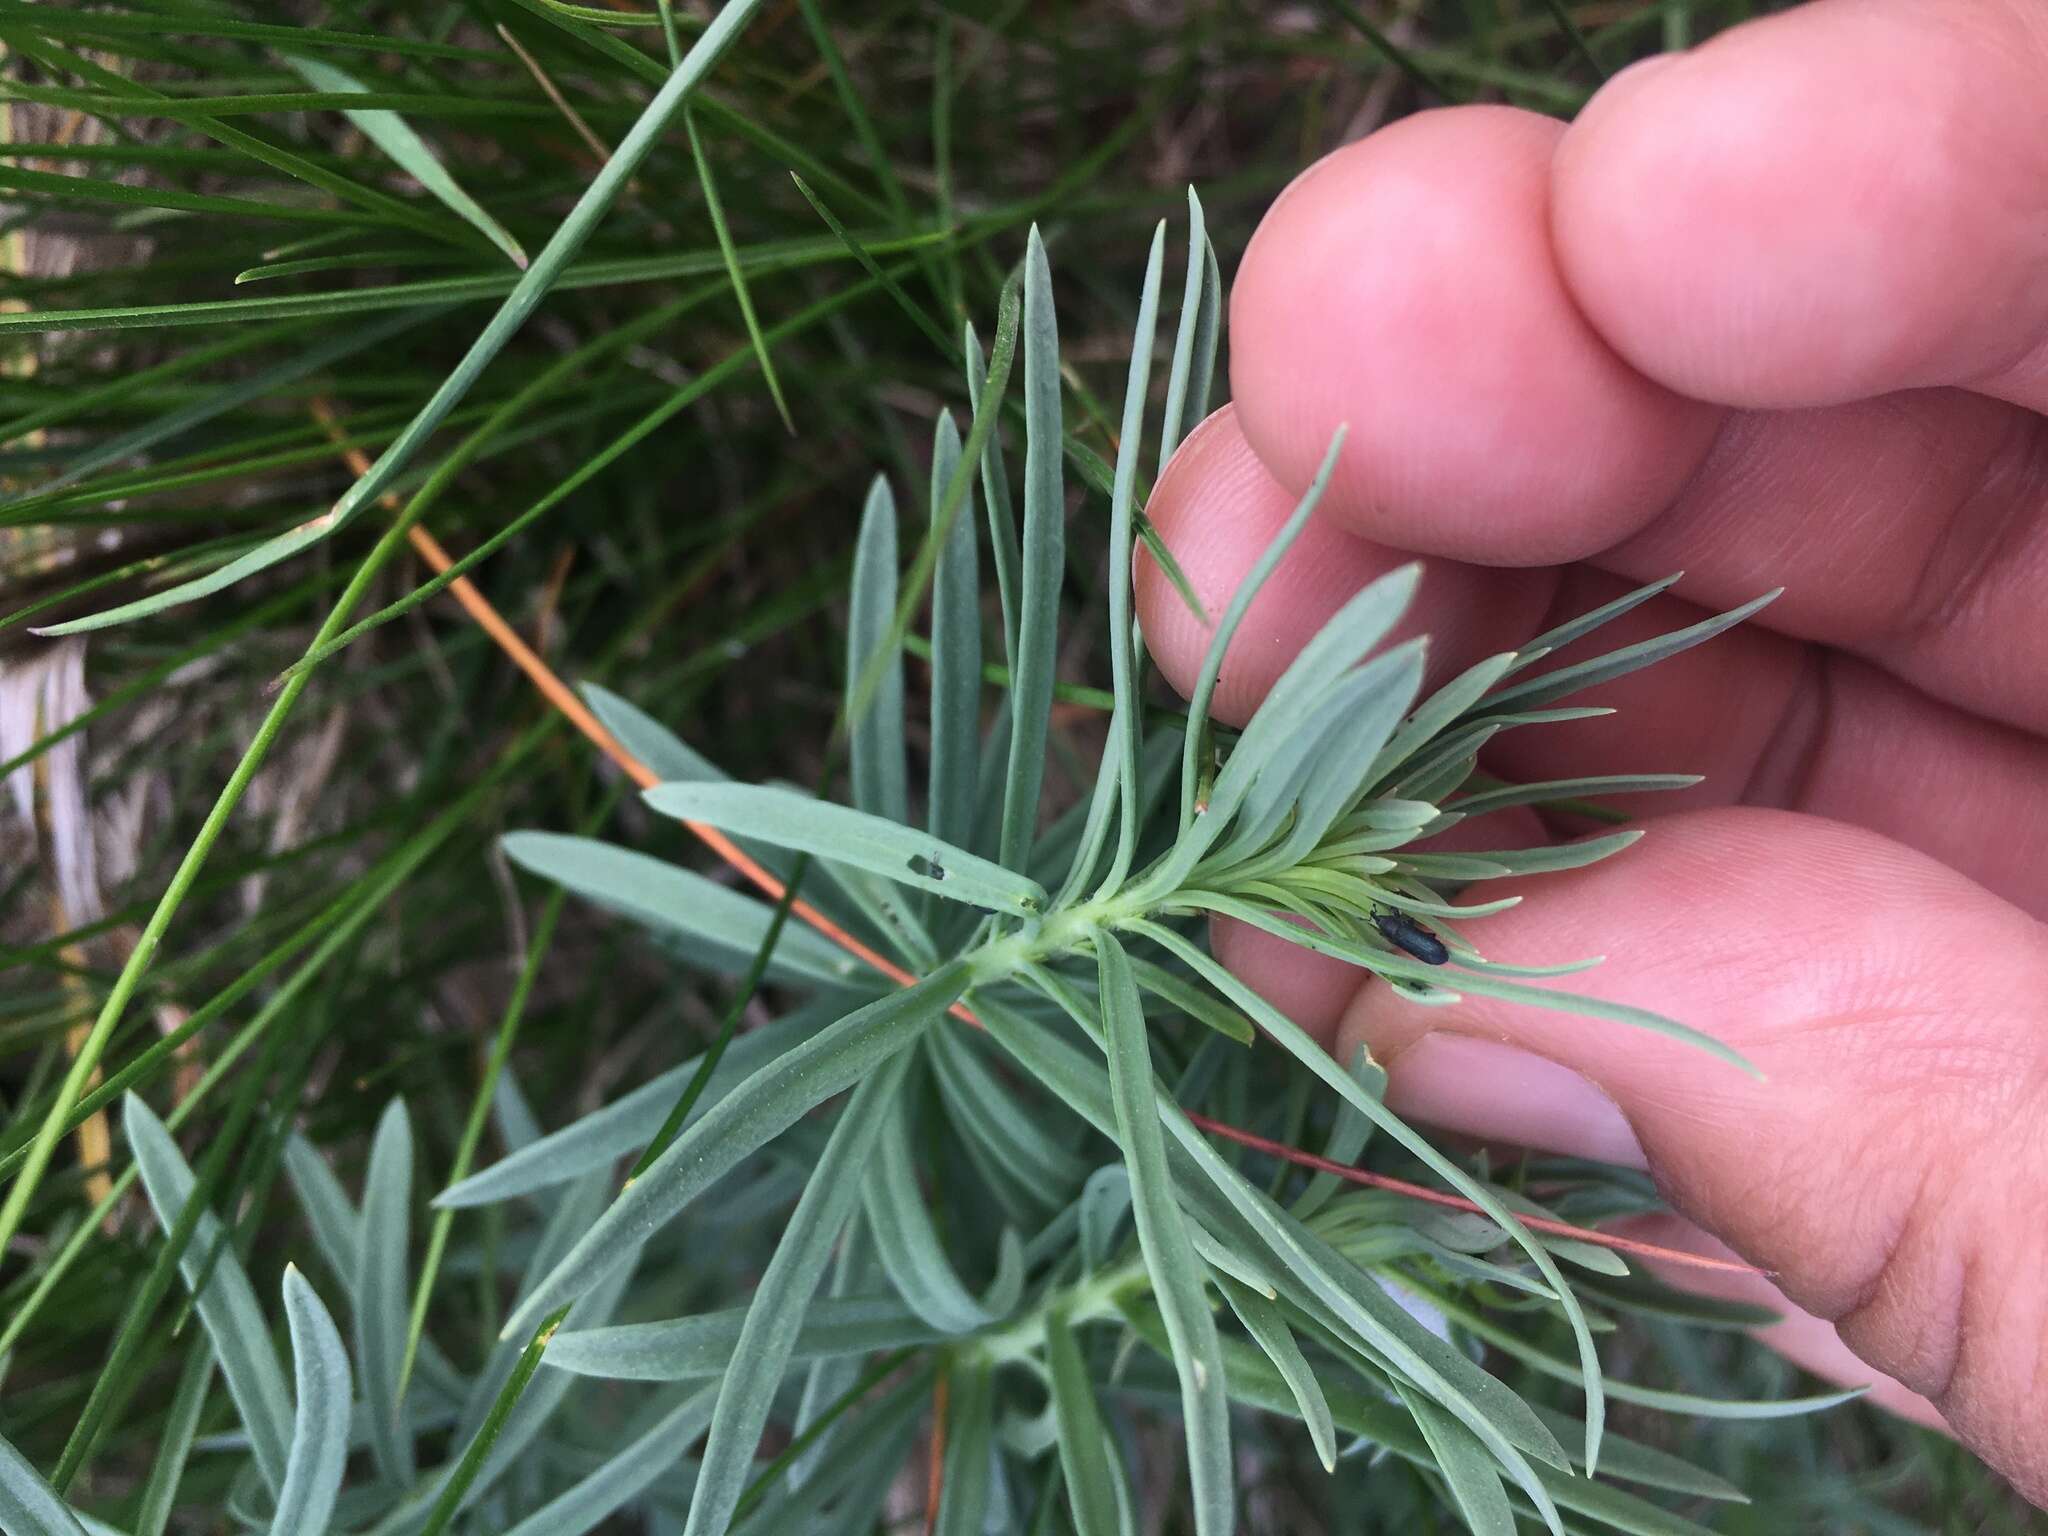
x=220, y=274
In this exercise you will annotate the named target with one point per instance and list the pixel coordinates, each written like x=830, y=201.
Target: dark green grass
x=351, y=908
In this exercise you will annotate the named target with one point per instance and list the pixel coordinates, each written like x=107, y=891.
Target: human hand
x=1774, y=311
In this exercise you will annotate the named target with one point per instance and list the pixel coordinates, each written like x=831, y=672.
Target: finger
x=1798, y=1335
x=1882, y=1167
x=1742, y=231
x=1406, y=286
x=1217, y=509
x=1769, y=721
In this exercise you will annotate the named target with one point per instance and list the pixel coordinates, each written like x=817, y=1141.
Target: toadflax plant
x=981, y=1185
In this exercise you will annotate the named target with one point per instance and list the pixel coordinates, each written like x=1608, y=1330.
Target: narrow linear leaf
x=1572, y=789
x=775, y=1315
x=28, y=1505
x=1127, y=722
x=319, y=1448
x=668, y=898
x=905, y=1236
x=533, y=286
x=874, y=724
x=1631, y=658
x=970, y=1452
x=1467, y=1470
x=686, y=1348
x=600, y=1138
x=1091, y=1477
x=227, y=1305
x=886, y=848
x=1263, y=1319
x=381, y=1292
x=956, y=657
x=395, y=136
x=1226, y=629
x=1043, y=565
x=760, y=1109
x=624, y=1477
x=1170, y=1258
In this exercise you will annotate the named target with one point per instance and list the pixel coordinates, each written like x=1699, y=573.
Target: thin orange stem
x=559, y=694
x=1457, y=1203
x=935, y=1473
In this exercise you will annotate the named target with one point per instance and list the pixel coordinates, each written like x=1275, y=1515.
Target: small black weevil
x=1411, y=937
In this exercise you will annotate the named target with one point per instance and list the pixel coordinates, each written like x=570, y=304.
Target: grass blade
x=1170, y=1258
x=887, y=848
x=381, y=1291
x=518, y=306
x=319, y=1448
x=760, y=1109
x=735, y=273
x=395, y=136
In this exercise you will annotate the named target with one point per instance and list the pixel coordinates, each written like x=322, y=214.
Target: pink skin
x=1735, y=321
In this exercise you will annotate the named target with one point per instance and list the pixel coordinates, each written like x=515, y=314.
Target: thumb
x=1887, y=1166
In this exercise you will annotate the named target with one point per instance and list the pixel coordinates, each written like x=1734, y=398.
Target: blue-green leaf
x=671, y=899
x=1044, y=561
x=381, y=1292
x=775, y=1316
x=1197, y=740
x=1085, y=1459
x=1177, y=1273
x=28, y=1505
x=319, y=1448
x=227, y=1306
x=956, y=658
x=624, y=1477
x=905, y=1236
x=757, y=1111
x=886, y=848
x=688, y=1348
x=602, y=1137
x=874, y=723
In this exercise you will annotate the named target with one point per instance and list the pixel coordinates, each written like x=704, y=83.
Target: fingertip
x=1745, y=225
x=1405, y=285
x=1217, y=508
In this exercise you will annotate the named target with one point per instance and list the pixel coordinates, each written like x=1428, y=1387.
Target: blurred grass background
x=212, y=273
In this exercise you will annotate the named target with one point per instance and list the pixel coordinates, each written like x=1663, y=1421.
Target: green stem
x=94, y=1045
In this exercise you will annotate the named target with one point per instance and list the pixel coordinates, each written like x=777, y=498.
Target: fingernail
x=1499, y=1092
